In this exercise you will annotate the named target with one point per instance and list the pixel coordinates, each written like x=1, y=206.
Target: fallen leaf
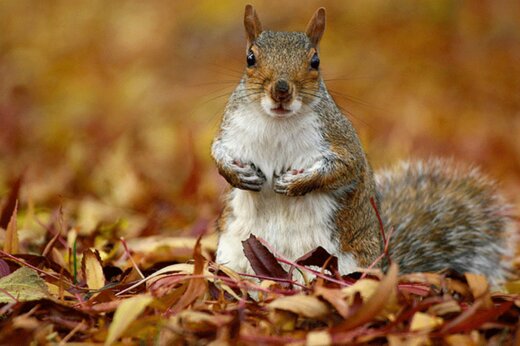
x=478, y=284
x=335, y=297
x=4, y=268
x=319, y=257
x=318, y=338
x=444, y=308
x=196, y=286
x=375, y=303
x=23, y=285
x=11, y=234
x=423, y=322
x=11, y=203
x=125, y=314
x=460, y=340
x=513, y=287
x=306, y=306
x=262, y=261
x=92, y=269
x=473, y=317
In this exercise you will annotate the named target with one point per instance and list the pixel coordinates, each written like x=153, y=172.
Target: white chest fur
x=291, y=225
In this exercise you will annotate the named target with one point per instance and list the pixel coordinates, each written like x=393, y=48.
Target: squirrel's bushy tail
x=446, y=216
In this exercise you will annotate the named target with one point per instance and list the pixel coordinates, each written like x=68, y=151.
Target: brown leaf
x=375, y=304
x=196, y=286
x=262, y=261
x=473, y=317
x=11, y=234
x=11, y=203
x=335, y=298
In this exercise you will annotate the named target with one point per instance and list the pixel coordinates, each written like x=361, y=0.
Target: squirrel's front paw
x=294, y=182
x=246, y=176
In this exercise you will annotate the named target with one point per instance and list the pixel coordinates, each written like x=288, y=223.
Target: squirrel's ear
x=316, y=26
x=252, y=24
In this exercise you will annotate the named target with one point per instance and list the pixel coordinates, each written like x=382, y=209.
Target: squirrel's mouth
x=280, y=110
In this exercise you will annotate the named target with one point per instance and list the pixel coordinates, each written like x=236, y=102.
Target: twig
x=127, y=250
x=381, y=226
x=71, y=333
x=9, y=295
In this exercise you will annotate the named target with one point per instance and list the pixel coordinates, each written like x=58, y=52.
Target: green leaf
x=23, y=285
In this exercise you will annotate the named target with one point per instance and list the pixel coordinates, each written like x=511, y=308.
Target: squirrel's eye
x=251, y=60
x=315, y=61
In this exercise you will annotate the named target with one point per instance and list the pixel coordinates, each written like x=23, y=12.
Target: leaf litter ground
x=168, y=290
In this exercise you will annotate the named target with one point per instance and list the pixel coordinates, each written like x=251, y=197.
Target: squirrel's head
x=282, y=70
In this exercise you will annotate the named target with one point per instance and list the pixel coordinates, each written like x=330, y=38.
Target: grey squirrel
x=301, y=179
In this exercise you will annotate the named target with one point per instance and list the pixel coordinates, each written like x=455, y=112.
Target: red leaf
x=10, y=204
x=318, y=257
x=4, y=268
x=262, y=261
x=473, y=318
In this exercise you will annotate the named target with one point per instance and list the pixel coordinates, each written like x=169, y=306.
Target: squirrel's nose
x=281, y=91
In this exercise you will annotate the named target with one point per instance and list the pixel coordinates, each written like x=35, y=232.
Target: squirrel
x=301, y=179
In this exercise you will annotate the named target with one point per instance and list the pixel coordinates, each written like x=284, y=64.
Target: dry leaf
x=93, y=270
x=447, y=307
x=282, y=320
x=335, y=298
x=306, y=306
x=513, y=287
x=477, y=283
x=422, y=322
x=262, y=260
x=11, y=233
x=375, y=304
x=125, y=314
x=459, y=340
x=318, y=338
x=196, y=286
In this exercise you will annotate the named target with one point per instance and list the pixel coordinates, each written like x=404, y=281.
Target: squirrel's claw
x=287, y=183
x=247, y=176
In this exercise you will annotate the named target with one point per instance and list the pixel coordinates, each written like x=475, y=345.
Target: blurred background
x=108, y=108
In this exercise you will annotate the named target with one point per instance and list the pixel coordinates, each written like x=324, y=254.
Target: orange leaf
x=11, y=234
x=375, y=304
x=335, y=298
x=196, y=286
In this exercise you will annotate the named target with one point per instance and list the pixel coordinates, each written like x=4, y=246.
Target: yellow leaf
x=383, y=296
x=318, y=338
x=125, y=314
x=11, y=234
x=365, y=287
x=307, y=306
x=477, y=283
x=513, y=287
x=460, y=340
x=422, y=321
x=444, y=308
x=282, y=321
x=93, y=270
